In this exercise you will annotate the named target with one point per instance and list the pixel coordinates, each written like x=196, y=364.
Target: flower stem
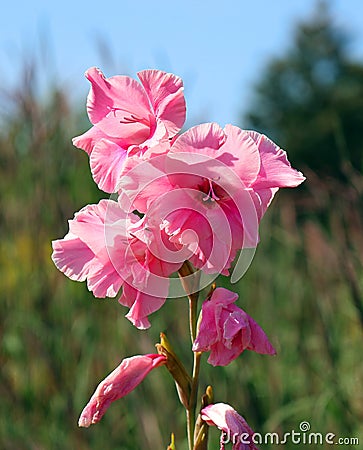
x=190, y=281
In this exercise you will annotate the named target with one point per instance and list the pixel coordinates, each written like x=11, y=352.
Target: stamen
x=129, y=117
x=211, y=195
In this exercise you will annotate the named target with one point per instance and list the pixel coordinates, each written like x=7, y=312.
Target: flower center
x=208, y=189
x=128, y=116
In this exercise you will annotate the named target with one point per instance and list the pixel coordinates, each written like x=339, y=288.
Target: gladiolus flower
x=234, y=428
x=106, y=247
x=125, y=113
x=226, y=330
x=210, y=190
x=117, y=384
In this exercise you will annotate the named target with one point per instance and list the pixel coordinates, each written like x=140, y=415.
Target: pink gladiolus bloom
x=234, y=428
x=210, y=190
x=101, y=249
x=83, y=254
x=126, y=113
x=226, y=330
x=117, y=384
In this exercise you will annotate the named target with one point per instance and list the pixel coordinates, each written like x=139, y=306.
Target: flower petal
x=106, y=161
x=72, y=257
x=119, y=106
x=165, y=92
x=222, y=296
x=85, y=251
x=227, y=419
x=205, y=140
x=141, y=305
x=241, y=153
x=117, y=384
x=259, y=342
x=88, y=140
x=226, y=330
x=276, y=171
x=120, y=91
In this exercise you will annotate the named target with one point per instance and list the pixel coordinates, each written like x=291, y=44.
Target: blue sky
x=219, y=48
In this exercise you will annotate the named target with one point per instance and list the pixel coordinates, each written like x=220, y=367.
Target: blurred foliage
x=304, y=287
x=311, y=99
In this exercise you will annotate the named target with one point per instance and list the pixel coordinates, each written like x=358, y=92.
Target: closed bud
x=201, y=427
x=172, y=443
x=181, y=377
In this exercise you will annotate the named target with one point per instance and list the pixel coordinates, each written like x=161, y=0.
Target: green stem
x=190, y=429
x=190, y=282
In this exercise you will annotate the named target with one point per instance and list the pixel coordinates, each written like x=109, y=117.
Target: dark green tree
x=311, y=100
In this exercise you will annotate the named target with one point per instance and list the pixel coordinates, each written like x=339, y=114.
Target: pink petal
x=96, y=232
x=119, y=107
x=224, y=297
x=106, y=161
x=204, y=140
x=241, y=153
x=259, y=341
x=91, y=222
x=165, y=92
x=208, y=332
x=143, y=182
x=262, y=199
x=201, y=228
x=243, y=215
x=105, y=282
x=142, y=305
x=210, y=328
x=72, y=257
x=116, y=92
x=225, y=418
x=226, y=330
x=276, y=171
x=163, y=257
x=235, y=321
x=191, y=230
x=117, y=384
x=220, y=355
x=88, y=140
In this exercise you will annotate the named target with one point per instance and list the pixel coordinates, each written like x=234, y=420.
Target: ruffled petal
x=120, y=93
x=141, y=306
x=72, y=257
x=205, y=140
x=90, y=224
x=88, y=140
x=96, y=232
x=241, y=153
x=143, y=182
x=106, y=162
x=276, y=170
x=165, y=92
x=105, y=282
x=119, y=106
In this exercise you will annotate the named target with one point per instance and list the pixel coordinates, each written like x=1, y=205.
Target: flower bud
x=181, y=377
x=201, y=427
